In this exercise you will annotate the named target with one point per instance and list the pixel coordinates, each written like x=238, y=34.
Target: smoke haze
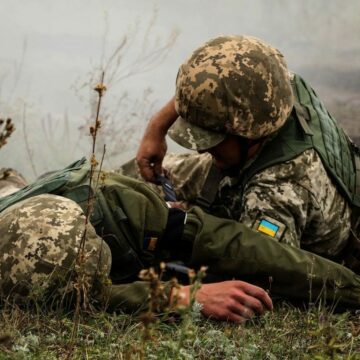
x=49, y=49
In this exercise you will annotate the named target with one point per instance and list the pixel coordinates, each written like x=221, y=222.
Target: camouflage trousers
x=46, y=248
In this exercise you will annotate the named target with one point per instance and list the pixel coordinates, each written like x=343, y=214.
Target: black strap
x=351, y=253
x=357, y=174
x=174, y=229
x=356, y=161
x=210, y=188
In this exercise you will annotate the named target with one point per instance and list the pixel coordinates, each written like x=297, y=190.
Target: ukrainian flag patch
x=270, y=227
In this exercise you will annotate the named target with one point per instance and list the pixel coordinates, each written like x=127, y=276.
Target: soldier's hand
x=150, y=155
x=233, y=300
x=153, y=146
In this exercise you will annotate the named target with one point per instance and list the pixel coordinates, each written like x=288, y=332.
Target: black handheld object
x=167, y=188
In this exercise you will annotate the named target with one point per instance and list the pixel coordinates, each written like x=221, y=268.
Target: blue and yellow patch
x=269, y=226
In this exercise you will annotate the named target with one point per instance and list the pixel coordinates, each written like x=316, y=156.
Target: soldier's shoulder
x=301, y=169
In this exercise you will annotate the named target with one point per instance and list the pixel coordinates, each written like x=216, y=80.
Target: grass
x=286, y=333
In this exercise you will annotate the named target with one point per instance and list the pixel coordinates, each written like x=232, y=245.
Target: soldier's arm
x=187, y=173
x=232, y=250
x=153, y=145
x=233, y=300
x=299, y=199
x=131, y=298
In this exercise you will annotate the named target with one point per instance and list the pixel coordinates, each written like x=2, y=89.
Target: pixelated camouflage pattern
x=39, y=242
x=187, y=190
x=10, y=181
x=232, y=84
x=179, y=178
x=301, y=195
x=297, y=193
x=194, y=137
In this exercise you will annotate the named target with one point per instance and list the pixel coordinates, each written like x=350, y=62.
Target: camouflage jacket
x=297, y=197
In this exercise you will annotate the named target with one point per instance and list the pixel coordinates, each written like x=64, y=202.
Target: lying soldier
x=132, y=228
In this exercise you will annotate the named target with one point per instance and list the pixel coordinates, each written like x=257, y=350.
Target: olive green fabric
x=67, y=177
x=120, y=199
x=232, y=250
x=227, y=247
x=134, y=297
x=126, y=208
x=125, y=212
x=130, y=298
x=329, y=140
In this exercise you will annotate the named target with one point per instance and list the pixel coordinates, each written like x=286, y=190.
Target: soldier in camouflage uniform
x=286, y=167
x=40, y=237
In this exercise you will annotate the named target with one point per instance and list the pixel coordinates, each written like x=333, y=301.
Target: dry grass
x=286, y=333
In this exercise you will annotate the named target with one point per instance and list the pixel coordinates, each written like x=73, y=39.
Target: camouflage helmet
x=236, y=85
x=39, y=242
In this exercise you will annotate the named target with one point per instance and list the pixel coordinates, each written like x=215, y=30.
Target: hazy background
x=51, y=52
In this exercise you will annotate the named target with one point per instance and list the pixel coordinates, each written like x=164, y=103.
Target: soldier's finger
x=236, y=318
x=241, y=310
x=264, y=297
x=146, y=169
x=256, y=292
x=157, y=168
x=251, y=302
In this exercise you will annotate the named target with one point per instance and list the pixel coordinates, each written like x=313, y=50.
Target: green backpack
x=126, y=213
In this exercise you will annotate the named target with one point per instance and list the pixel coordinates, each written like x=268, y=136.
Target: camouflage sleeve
x=298, y=200
x=187, y=173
